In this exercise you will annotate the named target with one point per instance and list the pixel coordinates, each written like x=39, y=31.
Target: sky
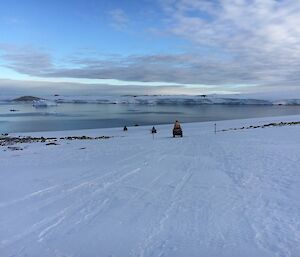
x=150, y=46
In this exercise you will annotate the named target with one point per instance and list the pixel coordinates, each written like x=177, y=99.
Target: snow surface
x=174, y=99
x=160, y=100
x=232, y=194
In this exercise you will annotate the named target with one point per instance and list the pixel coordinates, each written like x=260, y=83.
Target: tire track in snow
x=29, y=196
x=64, y=186
x=61, y=194
x=153, y=156
x=91, y=203
x=63, y=191
x=85, y=201
x=33, y=228
x=160, y=226
x=262, y=211
x=45, y=191
x=147, y=246
x=49, y=224
x=60, y=216
x=207, y=232
x=234, y=205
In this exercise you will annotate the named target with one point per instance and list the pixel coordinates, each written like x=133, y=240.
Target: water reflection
x=82, y=116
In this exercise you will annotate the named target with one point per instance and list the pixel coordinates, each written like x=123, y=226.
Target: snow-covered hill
x=174, y=99
x=165, y=100
x=229, y=194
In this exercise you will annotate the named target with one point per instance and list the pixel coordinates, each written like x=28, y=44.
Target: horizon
x=164, y=47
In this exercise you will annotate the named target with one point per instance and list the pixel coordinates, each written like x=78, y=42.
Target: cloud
x=260, y=39
x=119, y=19
x=230, y=42
x=25, y=59
x=180, y=68
x=40, y=88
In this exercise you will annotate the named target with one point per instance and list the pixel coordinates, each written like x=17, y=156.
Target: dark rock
x=15, y=148
x=26, y=99
x=6, y=140
x=52, y=143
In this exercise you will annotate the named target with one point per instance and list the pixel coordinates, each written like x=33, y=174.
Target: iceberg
x=43, y=103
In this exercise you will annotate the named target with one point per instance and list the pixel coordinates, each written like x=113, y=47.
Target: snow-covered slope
x=232, y=194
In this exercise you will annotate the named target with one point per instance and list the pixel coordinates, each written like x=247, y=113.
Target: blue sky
x=189, y=46
x=65, y=27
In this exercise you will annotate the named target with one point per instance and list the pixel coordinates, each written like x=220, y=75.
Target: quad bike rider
x=177, y=131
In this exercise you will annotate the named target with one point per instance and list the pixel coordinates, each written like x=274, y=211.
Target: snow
x=43, y=103
x=229, y=194
x=173, y=99
x=161, y=100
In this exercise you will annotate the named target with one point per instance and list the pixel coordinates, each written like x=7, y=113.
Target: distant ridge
x=161, y=100
x=26, y=99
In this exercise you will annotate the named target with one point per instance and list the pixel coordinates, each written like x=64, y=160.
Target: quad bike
x=177, y=132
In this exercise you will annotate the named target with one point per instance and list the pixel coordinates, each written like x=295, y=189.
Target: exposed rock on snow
x=273, y=124
x=6, y=140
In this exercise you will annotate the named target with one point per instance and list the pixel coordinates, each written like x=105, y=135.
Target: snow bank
x=232, y=194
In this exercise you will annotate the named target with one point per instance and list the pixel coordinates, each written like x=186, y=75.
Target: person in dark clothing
x=153, y=130
x=125, y=128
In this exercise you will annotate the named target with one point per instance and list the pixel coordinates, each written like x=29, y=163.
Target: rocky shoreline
x=6, y=140
x=273, y=124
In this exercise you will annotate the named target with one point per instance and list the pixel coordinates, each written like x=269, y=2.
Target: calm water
x=82, y=116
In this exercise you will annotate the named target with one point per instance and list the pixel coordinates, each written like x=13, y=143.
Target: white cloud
x=119, y=19
x=231, y=42
x=25, y=59
x=260, y=37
